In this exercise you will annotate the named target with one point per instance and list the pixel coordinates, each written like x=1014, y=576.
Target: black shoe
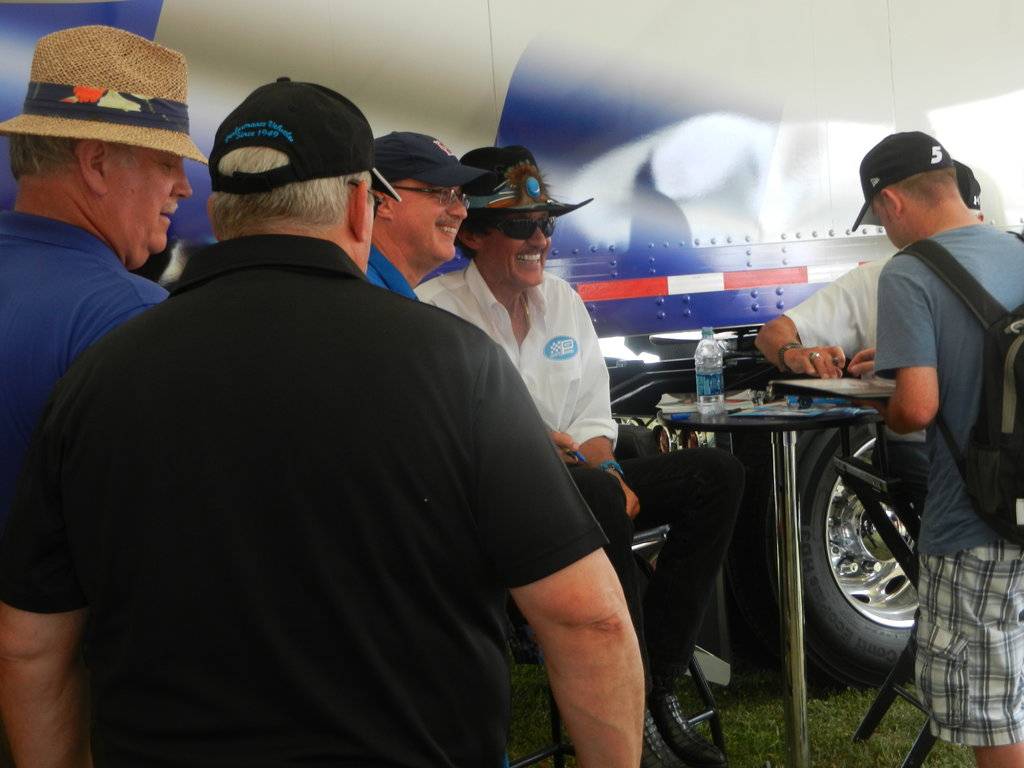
x=683, y=738
x=657, y=754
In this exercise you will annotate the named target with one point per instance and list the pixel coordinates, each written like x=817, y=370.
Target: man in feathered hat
x=97, y=154
x=543, y=325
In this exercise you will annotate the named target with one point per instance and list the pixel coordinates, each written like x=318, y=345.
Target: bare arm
x=599, y=449
x=915, y=402
x=43, y=690
x=823, y=362
x=592, y=658
x=773, y=335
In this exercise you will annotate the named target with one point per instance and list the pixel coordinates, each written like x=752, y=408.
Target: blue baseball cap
x=407, y=155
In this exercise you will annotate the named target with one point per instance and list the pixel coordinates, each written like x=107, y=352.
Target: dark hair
x=477, y=222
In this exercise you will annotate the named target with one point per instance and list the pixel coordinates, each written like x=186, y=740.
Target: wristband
x=782, y=354
x=610, y=465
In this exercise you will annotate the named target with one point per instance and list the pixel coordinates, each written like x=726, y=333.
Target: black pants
x=697, y=491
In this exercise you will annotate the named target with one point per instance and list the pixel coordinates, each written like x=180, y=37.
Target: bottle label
x=709, y=384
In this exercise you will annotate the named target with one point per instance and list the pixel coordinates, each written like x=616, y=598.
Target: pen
x=576, y=455
x=806, y=401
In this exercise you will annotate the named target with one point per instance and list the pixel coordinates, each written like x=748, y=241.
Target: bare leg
x=1010, y=756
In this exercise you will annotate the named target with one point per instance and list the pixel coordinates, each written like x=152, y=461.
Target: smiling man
x=415, y=235
x=543, y=326
x=99, y=173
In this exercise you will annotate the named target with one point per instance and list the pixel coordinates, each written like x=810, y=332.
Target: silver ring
x=814, y=355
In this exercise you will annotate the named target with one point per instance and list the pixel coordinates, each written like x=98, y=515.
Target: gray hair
x=315, y=203
x=39, y=155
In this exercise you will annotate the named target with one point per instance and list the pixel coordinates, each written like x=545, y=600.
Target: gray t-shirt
x=922, y=323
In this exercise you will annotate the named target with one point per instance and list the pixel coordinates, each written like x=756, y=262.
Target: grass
x=752, y=719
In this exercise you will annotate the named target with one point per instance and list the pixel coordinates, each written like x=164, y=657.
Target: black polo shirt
x=292, y=503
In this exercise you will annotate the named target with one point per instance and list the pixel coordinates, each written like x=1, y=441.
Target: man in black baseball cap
x=895, y=158
x=257, y=552
x=932, y=344
x=322, y=133
x=415, y=235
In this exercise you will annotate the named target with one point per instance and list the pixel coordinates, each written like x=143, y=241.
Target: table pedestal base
x=791, y=602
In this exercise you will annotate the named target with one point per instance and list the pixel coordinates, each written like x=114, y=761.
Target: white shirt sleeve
x=592, y=414
x=843, y=313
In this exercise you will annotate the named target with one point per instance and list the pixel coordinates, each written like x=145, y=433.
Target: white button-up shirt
x=560, y=359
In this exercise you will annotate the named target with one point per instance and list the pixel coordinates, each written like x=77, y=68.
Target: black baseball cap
x=970, y=189
x=408, y=155
x=896, y=157
x=323, y=133
x=513, y=183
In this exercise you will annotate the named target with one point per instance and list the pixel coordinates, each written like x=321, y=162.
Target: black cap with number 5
x=896, y=157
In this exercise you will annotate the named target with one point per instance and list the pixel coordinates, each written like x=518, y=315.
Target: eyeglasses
x=523, y=228
x=373, y=198
x=445, y=195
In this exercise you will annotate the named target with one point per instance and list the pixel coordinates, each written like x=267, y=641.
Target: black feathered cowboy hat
x=513, y=184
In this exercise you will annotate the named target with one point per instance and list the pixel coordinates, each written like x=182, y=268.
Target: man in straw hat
x=97, y=154
x=544, y=328
x=270, y=578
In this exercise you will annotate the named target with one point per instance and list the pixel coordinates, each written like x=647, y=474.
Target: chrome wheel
x=863, y=567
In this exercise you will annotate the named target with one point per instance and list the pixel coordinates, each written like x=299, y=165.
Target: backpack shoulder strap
x=960, y=281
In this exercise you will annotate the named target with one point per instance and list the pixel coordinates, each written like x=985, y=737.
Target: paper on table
x=868, y=389
x=783, y=411
x=687, y=402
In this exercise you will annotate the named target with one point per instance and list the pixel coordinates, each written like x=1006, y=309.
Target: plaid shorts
x=970, y=644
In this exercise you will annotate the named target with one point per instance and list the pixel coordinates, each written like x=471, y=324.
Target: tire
x=858, y=606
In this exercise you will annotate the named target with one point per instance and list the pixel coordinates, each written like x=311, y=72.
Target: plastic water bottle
x=710, y=386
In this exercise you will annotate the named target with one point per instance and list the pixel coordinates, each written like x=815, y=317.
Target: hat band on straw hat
x=81, y=102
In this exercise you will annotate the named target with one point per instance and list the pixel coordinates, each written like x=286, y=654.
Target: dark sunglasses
x=522, y=229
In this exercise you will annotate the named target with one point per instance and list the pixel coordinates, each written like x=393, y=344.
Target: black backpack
x=993, y=469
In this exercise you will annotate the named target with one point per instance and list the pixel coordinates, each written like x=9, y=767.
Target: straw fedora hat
x=104, y=83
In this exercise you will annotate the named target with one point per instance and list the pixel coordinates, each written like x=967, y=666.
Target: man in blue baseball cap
x=415, y=235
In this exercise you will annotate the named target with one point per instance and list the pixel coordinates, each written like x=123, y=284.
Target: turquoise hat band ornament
x=532, y=187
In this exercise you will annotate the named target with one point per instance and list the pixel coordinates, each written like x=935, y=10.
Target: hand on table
x=863, y=364
x=823, y=362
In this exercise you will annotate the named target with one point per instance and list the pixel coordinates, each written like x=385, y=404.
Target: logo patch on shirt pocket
x=561, y=348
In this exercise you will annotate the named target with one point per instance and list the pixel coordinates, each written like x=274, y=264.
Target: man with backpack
x=970, y=633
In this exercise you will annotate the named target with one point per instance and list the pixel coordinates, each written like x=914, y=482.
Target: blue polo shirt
x=383, y=273
x=61, y=289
